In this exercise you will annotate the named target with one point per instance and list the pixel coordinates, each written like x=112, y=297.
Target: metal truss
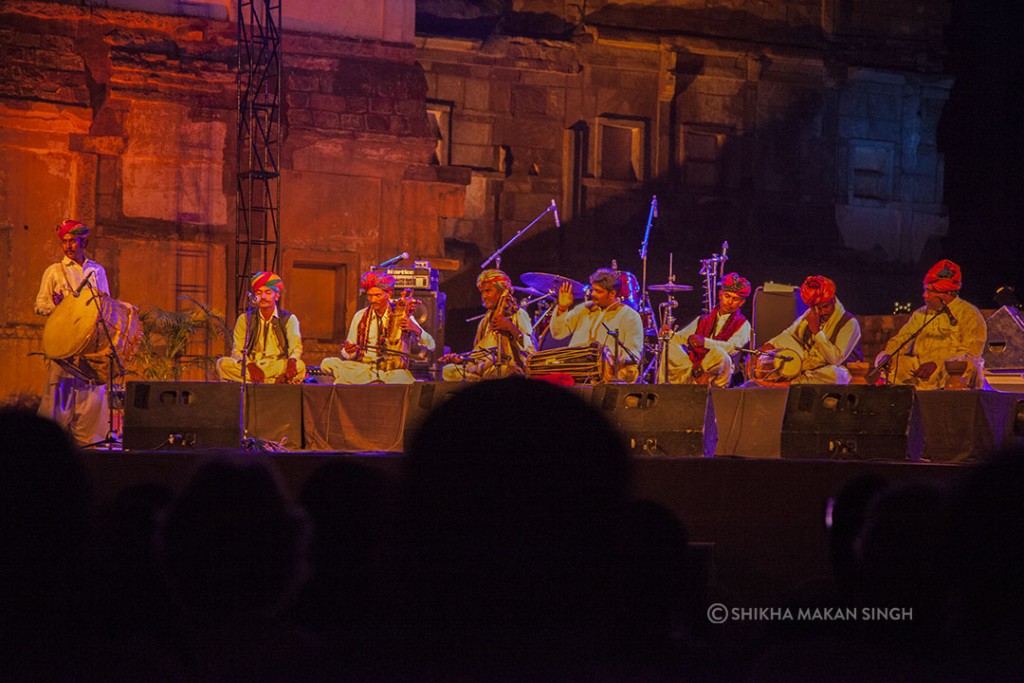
x=258, y=190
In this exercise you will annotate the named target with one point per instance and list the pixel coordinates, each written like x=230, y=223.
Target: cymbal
x=670, y=287
x=545, y=282
x=528, y=291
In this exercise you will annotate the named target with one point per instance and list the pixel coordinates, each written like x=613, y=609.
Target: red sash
x=705, y=327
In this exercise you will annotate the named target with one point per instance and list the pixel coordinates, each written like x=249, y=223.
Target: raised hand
x=565, y=296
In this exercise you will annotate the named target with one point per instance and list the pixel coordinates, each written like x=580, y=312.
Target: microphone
x=654, y=204
x=85, y=281
x=391, y=261
x=253, y=299
x=949, y=314
x=554, y=207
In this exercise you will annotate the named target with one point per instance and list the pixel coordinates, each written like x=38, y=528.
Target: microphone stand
x=496, y=256
x=876, y=371
x=111, y=439
x=614, y=334
x=243, y=421
x=645, y=301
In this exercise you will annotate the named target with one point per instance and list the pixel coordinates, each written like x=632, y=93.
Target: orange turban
x=943, y=277
x=817, y=289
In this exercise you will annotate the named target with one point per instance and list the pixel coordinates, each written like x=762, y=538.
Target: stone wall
x=126, y=121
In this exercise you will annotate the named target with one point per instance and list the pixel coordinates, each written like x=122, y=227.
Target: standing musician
x=504, y=336
x=702, y=352
x=953, y=330
x=273, y=353
x=600, y=320
x=380, y=337
x=823, y=337
x=71, y=402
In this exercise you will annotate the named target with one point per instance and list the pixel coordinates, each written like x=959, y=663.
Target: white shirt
x=64, y=278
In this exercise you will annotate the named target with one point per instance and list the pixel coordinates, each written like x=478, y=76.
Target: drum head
x=70, y=327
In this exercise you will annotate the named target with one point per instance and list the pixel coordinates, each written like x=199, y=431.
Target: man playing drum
x=950, y=330
x=73, y=403
x=375, y=330
x=821, y=340
x=504, y=336
x=268, y=339
x=601, y=320
x=702, y=352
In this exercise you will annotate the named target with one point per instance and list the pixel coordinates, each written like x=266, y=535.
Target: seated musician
x=270, y=338
x=504, y=336
x=600, y=320
x=702, y=352
x=821, y=339
x=950, y=330
x=380, y=338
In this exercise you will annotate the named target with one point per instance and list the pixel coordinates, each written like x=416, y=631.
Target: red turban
x=943, y=277
x=72, y=227
x=817, y=289
x=736, y=284
x=373, y=279
x=265, y=278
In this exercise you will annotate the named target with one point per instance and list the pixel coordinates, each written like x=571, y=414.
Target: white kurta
x=71, y=402
x=718, y=363
x=267, y=353
x=822, y=358
x=348, y=370
x=589, y=324
x=938, y=342
x=486, y=339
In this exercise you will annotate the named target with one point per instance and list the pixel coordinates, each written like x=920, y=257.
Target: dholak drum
x=74, y=338
x=779, y=367
x=585, y=364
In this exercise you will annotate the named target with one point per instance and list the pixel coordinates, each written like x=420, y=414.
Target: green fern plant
x=169, y=336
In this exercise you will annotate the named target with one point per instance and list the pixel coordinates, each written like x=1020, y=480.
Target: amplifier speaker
x=1004, y=348
x=429, y=312
x=661, y=420
x=181, y=415
x=832, y=422
x=775, y=308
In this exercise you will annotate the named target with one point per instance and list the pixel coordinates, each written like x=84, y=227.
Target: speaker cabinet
x=181, y=415
x=197, y=415
x=835, y=422
x=429, y=312
x=1004, y=348
x=660, y=420
x=775, y=308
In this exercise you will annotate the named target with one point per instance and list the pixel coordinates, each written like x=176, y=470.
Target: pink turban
x=265, y=278
x=943, y=277
x=736, y=284
x=372, y=278
x=817, y=289
x=72, y=227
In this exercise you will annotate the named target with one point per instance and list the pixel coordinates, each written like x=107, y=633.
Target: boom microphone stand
x=876, y=371
x=496, y=256
x=113, y=360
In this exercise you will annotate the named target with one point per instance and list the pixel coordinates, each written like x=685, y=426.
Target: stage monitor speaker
x=775, y=308
x=429, y=312
x=181, y=415
x=853, y=422
x=660, y=420
x=1004, y=348
x=423, y=398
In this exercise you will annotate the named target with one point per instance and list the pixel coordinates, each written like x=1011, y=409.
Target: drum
x=631, y=290
x=779, y=368
x=585, y=364
x=74, y=338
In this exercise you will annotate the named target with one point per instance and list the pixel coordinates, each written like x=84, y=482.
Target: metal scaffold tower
x=258, y=191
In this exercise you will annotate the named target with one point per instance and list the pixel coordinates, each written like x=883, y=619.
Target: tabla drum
x=74, y=338
x=778, y=369
x=585, y=364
